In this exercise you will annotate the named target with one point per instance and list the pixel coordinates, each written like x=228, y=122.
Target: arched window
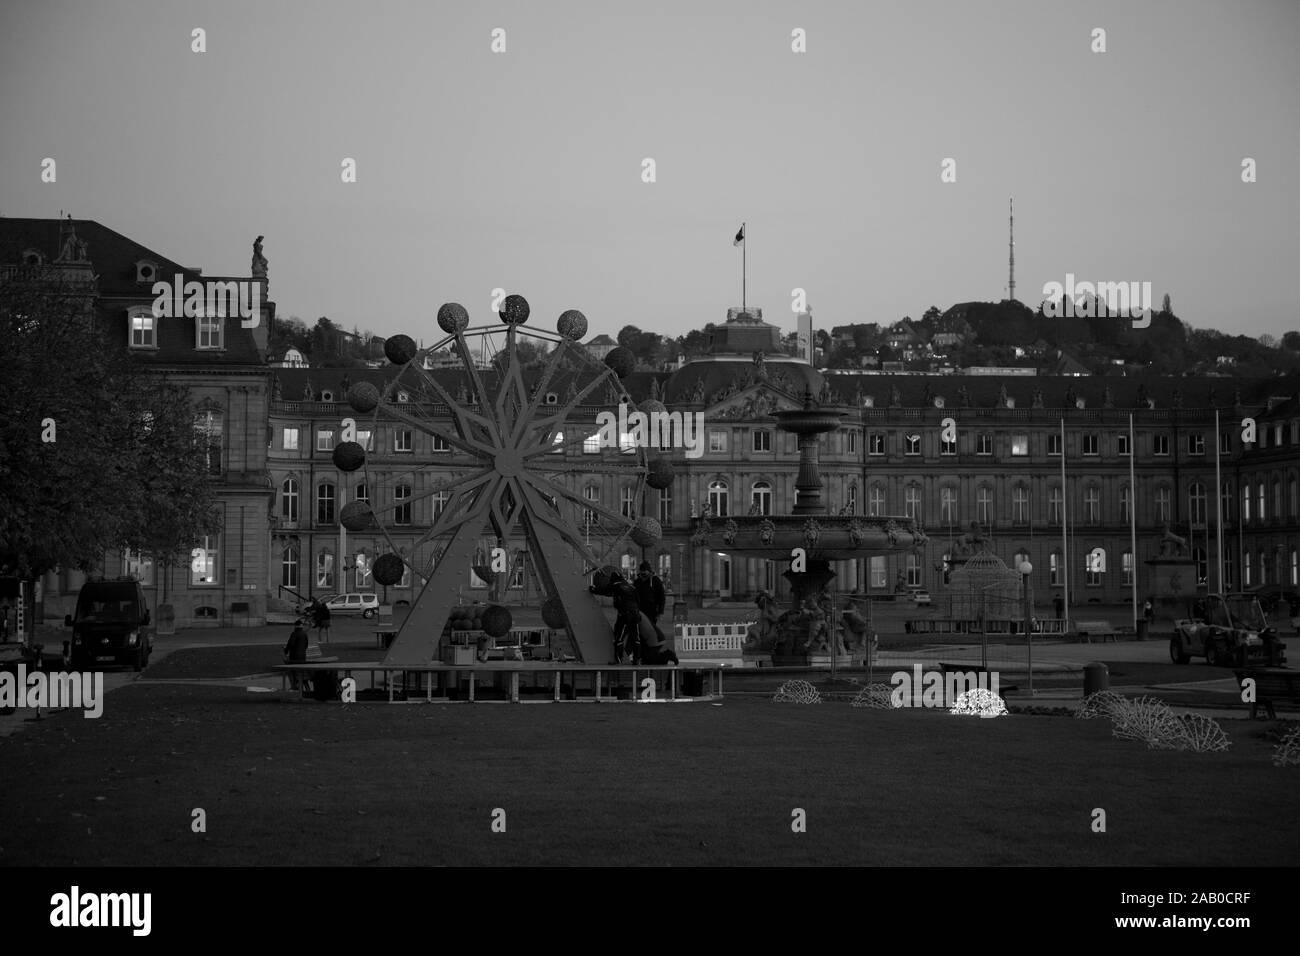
x=984, y=504
x=1126, y=566
x=1225, y=501
x=289, y=499
x=761, y=497
x=627, y=502
x=1055, y=504
x=1020, y=504
x=718, y=498
x=1202, y=561
x=1126, y=503
x=1259, y=499
x=289, y=567
x=439, y=504
x=1247, y=579
x=876, y=501
x=1245, y=502
x=362, y=493
x=362, y=570
x=912, y=501
x=1055, y=570
x=1092, y=505
x=851, y=497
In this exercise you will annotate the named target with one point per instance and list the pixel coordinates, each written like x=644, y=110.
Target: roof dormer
x=146, y=271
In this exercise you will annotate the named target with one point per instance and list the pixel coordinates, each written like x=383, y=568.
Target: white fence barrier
x=711, y=640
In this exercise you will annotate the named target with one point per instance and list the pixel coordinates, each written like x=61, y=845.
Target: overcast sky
x=523, y=169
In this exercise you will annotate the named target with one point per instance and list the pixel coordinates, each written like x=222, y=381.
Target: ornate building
x=995, y=477
x=222, y=363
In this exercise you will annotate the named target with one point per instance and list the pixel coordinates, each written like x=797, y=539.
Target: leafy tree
x=125, y=468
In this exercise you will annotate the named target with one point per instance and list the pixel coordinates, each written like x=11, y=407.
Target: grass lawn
x=299, y=782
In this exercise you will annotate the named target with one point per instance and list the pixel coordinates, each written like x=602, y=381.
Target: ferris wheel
x=519, y=422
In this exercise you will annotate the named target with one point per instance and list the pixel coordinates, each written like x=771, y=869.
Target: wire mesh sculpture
x=979, y=703
x=797, y=692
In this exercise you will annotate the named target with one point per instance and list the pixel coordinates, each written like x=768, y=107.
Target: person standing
x=295, y=651
x=1058, y=602
x=651, y=597
x=321, y=620
x=627, y=628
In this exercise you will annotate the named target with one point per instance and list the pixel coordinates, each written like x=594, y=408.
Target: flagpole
x=1065, y=541
x=744, y=253
x=1132, y=519
x=1218, y=478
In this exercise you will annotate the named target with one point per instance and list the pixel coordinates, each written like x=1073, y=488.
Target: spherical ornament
x=515, y=310
x=572, y=325
x=604, y=575
x=646, y=531
x=388, y=569
x=652, y=406
x=496, y=621
x=356, y=516
x=349, y=456
x=400, y=349
x=363, y=397
x=621, y=360
x=453, y=317
x=553, y=613
x=661, y=473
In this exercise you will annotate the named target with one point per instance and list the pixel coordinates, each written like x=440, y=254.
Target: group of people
x=632, y=599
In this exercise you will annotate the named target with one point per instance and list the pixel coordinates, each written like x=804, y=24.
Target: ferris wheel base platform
x=522, y=682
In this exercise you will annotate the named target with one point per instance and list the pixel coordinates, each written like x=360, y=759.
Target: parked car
x=111, y=625
x=367, y=605
x=921, y=596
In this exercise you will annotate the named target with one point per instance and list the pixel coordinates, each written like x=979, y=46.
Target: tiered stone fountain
x=804, y=634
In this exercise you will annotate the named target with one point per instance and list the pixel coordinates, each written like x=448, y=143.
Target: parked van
x=111, y=626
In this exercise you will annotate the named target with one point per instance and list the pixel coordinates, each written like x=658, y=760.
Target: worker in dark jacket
x=627, y=629
x=650, y=596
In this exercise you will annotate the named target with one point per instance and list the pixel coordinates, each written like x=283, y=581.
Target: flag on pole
x=740, y=236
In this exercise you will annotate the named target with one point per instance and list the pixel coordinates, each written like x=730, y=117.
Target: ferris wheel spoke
x=452, y=481
x=475, y=448
x=463, y=415
x=477, y=509
x=476, y=380
x=544, y=379
x=628, y=465
x=567, y=531
x=550, y=487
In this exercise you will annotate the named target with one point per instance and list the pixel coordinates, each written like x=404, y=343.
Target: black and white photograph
x=404, y=470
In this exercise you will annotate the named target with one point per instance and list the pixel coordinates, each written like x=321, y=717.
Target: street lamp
x=1027, y=569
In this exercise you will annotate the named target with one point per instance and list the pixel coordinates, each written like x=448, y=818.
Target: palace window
x=1092, y=505
x=1055, y=505
x=403, y=440
x=1160, y=444
x=289, y=567
x=1196, y=503
x=203, y=562
x=984, y=444
x=1195, y=443
x=627, y=503
x=984, y=504
x=948, y=505
x=325, y=570
x=1054, y=569
x=1126, y=567
x=144, y=329
x=912, y=444
x=1091, y=444
x=1162, y=505
x=1020, y=505
x=1019, y=445
x=761, y=495
x=876, y=443
x=1122, y=446
x=1054, y=443
x=912, y=502
x=666, y=506
x=762, y=440
x=717, y=440
x=718, y=498
x=402, y=504
x=1126, y=503
x=290, y=438
x=289, y=500
x=876, y=501
x=325, y=503
x=210, y=425
x=948, y=447
x=325, y=439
